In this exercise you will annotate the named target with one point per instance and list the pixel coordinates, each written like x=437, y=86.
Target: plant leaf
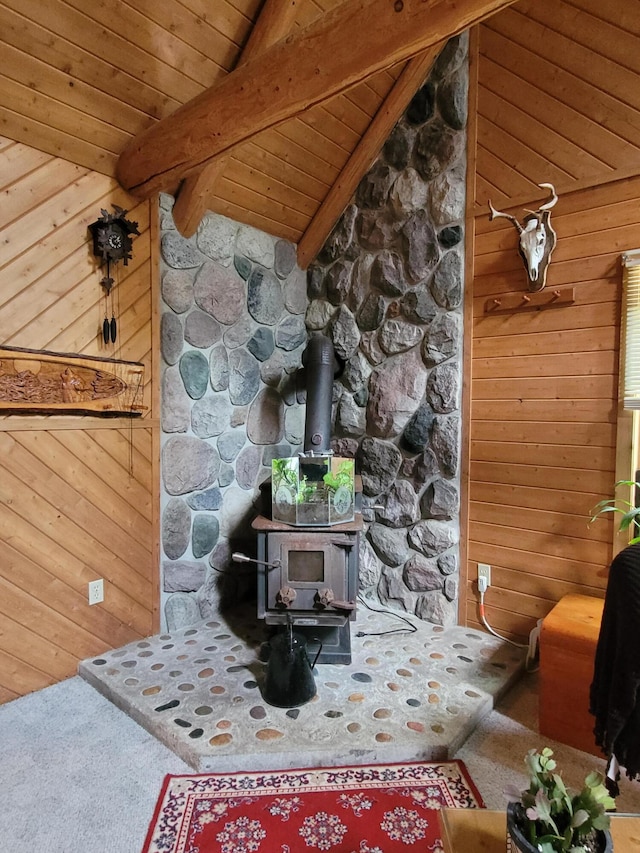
x=580, y=817
x=513, y=794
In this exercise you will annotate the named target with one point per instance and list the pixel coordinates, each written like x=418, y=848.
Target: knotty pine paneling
x=556, y=94
x=79, y=84
x=76, y=493
x=544, y=409
x=557, y=98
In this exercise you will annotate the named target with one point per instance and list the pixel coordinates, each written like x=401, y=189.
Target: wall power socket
x=484, y=575
x=96, y=591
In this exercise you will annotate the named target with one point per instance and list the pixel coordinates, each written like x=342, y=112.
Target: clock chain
x=107, y=282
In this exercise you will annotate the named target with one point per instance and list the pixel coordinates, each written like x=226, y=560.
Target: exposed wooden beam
x=274, y=22
x=405, y=87
x=345, y=46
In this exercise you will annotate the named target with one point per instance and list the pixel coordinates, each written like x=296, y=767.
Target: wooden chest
x=568, y=641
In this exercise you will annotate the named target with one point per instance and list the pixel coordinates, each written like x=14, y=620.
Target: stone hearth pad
x=405, y=696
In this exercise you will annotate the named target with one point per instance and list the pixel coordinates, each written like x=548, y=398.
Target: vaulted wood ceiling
x=82, y=81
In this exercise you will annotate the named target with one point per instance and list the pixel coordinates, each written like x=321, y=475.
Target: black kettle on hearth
x=289, y=680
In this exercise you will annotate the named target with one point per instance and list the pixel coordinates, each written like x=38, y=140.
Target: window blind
x=631, y=329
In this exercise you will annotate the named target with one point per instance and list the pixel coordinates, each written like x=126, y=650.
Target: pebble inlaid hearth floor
x=404, y=697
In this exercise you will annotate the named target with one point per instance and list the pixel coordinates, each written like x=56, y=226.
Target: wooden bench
x=568, y=641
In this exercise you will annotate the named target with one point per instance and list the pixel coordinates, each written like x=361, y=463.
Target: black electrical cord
x=410, y=630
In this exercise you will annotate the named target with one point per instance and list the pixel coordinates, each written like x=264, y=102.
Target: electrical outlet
x=96, y=591
x=484, y=571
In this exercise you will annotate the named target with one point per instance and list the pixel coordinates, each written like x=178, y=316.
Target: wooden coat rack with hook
x=512, y=302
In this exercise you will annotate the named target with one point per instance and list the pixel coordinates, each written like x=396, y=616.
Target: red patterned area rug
x=368, y=809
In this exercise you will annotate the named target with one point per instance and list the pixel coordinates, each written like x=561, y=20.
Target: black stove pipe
x=320, y=365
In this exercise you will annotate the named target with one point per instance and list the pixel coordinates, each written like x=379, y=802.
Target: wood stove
x=308, y=548
x=310, y=575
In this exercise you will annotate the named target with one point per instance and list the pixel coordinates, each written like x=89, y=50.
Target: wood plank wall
x=79, y=83
x=77, y=494
x=544, y=383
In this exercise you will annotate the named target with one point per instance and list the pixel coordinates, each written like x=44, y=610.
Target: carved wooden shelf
x=548, y=298
x=43, y=382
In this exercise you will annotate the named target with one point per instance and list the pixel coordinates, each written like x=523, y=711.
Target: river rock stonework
x=387, y=288
x=232, y=335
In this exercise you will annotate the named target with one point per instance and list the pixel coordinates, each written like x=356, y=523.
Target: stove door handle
x=242, y=558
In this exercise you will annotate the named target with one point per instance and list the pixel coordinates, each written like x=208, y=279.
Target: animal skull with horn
x=537, y=238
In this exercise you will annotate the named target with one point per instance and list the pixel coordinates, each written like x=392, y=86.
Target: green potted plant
x=547, y=817
x=630, y=514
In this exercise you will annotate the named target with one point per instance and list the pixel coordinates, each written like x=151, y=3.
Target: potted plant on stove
x=547, y=817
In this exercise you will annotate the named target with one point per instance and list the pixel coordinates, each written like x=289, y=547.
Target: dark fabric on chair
x=615, y=690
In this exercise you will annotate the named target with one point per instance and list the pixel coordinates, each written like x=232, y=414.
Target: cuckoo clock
x=112, y=243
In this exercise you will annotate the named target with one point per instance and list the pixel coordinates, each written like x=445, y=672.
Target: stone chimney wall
x=232, y=336
x=387, y=288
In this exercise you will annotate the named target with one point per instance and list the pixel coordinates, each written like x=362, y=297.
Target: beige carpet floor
x=495, y=752
x=77, y=775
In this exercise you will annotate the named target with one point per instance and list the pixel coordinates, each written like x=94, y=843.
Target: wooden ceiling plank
x=306, y=137
x=515, y=124
x=270, y=186
x=250, y=217
x=80, y=65
x=248, y=8
x=334, y=134
x=227, y=19
x=378, y=85
x=260, y=158
x=144, y=32
x=82, y=29
x=46, y=79
x=609, y=131
x=257, y=201
x=57, y=142
x=195, y=33
x=294, y=154
x=60, y=116
x=539, y=106
x=584, y=66
x=368, y=95
x=348, y=44
x=274, y=22
x=625, y=15
x=607, y=38
x=364, y=154
x=349, y=113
